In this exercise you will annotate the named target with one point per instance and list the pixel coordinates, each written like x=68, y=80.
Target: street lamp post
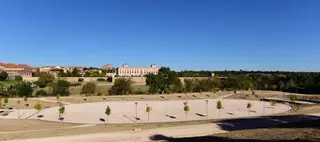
x=207, y=101
x=136, y=103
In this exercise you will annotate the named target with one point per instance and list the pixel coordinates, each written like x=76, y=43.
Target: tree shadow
x=253, y=111
x=159, y=137
x=162, y=97
x=230, y=113
x=170, y=116
x=289, y=121
x=200, y=115
x=265, y=122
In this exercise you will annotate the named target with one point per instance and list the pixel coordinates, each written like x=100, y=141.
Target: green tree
x=18, y=78
x=37, y=107
x=6, y=100
x=0, y=102
x=273, y=104
x=162, y=81
x=122, y=86
x=214, y=83
x=292, y=84
x=25, y=98
x=89, y=88
x=281, y=85
x=3, y=76
x=44, y=79
x=249, y=105
x=293, y=98
x=80, y=79
x=108, y=112
x=41, y=93
x=219, y=106
x=186, y=110
x=61, y=112
x=58, y=97
x=148, y=110
x=61, y=87
x=177, y=86
x=75, y=73
x=152, y=82
x=266, y=86
x=23, y=89
x=251, y=86
x=188, y=85
x=273, y=87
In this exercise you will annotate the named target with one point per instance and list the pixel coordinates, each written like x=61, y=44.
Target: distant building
x=55, y=69
x=125, y=70
x=16, y=69
x=107, y=67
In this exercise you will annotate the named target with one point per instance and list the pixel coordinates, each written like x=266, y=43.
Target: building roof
x=2, y=64
x=11, y=65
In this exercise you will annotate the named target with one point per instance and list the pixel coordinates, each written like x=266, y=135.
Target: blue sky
x=182, y=34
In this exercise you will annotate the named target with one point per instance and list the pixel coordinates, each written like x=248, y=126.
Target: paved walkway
x=51, y=101
x=162, y=111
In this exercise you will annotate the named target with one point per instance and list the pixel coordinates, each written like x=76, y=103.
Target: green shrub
x=18, y=78
x=101, y=79
x=75, y=84
x=41, y=93
x=99, y=94
x=89, y=88
x=6, y=100
x=61, y=87
x=139, y=91
x=122, y=86
x=80, y=79
x=109, y=79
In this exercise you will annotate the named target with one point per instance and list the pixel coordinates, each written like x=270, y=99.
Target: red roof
x=10, y=65
x=23, y=66
x=2, y=64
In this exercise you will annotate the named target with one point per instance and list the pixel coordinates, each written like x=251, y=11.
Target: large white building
x=125, y=70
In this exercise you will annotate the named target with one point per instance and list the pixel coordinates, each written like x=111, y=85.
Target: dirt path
x=51, y=101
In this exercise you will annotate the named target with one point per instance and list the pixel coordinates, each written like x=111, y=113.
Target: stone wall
x=70, y=79
x=136, y=80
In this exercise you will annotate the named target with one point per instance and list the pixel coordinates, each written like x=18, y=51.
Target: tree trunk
x=273, y=110
x=186, y=116
x=107, y=119
x=148, y=117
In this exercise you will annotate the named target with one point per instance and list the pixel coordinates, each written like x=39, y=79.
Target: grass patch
x=13, y=103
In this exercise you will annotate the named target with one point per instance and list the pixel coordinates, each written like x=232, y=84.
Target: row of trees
x=167, y=81
x=55, y=87
x=15, y=88
x=300, y=82
x=74, y=73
